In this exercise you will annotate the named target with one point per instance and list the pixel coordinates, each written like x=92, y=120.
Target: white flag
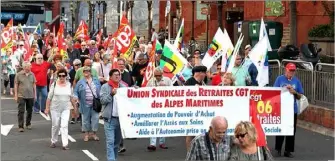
x=258, y=55
x=220, y=45
x=236, y=51
x=263, y=33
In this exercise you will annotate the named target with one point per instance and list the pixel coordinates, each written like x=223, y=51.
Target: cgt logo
x=267, y=105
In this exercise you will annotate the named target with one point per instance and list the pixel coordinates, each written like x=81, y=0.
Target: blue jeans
x=153, y=141
x=41, y=98
x=113, y=137
x=89, y=119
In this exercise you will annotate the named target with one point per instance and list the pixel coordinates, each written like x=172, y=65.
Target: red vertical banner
x=149, y=72
x=267, y=105
x=7, y=35
x=125, y=38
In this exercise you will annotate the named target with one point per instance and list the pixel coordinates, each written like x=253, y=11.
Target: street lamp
x=99, y=3
x=65, y=18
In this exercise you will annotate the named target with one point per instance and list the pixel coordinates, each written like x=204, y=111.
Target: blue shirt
x=282, y=81
x=187, y=73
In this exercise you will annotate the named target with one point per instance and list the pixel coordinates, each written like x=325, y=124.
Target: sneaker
x=73, y=121
x=122, y=150
x=162, y=146
x=21, y=130
x=151, y=148
x=29, y=127
x=66, y=148
x=288, y=154
x=79, y=119
x=53, y=145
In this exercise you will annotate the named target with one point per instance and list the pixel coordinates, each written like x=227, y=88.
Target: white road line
x=101, y=121
x=71, y=138
x=89, y=154
x=45, y=116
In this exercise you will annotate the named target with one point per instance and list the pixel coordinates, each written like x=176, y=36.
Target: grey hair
x=218, y=118
x=41, y=55
x=26, y=64
x=158, y=69
x=60, y=64
x=76, y=61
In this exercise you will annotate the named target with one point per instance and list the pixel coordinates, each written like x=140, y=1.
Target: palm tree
x=149, y=19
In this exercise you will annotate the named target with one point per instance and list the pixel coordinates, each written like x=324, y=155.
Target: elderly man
x=40, y=70
x=92, y=48
x=241, y=74
x=139, y=69
x=158, y=80
x=84, y=52
x=250, y=66
x=293, y=84
x=25, y=93
x=104, y=69
x=80, y=74
x=214, y=145
x=110, y=113
x=72, y=52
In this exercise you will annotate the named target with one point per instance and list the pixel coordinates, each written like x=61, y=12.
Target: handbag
x=96, y=101
x=302, y=104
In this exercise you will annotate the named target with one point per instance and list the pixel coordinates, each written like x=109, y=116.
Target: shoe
x=21, y=130
x=122, y=150
x=151, y=148
x=53, y=145
x=288, y=154
x=4, y=92
x=100, y=117
x=72, y=121
x=79, y=119
x=162, y=146
x=37, y=112
x=278, y=153
x=66, y=148
x=86, y=138
x=29, y=127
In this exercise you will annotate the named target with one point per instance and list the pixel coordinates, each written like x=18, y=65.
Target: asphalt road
x=34, y=144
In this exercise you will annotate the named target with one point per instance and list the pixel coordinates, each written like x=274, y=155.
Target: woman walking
x=85, y=91
x=9, y=62
x=58, y=102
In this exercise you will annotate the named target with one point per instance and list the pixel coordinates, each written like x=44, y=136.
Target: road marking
x=89, y=154
x=101, y=122
x=71, y=138
x=5, y=129
x=7, y=98
x=45, y=116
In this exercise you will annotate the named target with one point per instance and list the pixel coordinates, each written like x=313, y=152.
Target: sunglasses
x=87, y=70
x=77, y=65
x=158, y=75
x=62, y=75
x=39, y=58
x=241, y=135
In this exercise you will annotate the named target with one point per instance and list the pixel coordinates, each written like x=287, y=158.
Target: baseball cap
x=290, y=66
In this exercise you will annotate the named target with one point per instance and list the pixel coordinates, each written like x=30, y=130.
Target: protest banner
x=188, y=110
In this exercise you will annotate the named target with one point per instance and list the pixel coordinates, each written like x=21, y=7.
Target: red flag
x=99, y=36
x=149, y=72
x=261, y=138
x=27, y=53
x=82, y=31
x=7, y=35
x=114, y=58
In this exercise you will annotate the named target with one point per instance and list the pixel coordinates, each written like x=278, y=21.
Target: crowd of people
x=70, y=90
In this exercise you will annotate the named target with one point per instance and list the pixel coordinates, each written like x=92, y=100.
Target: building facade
x=309, y=14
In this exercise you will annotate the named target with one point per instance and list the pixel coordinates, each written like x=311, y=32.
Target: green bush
x=326, y=30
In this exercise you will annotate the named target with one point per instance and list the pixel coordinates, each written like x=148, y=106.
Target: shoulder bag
x=96, y=101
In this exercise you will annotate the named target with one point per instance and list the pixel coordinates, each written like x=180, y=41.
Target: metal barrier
x=324, y=86
x=274, y=70
x=305, y=77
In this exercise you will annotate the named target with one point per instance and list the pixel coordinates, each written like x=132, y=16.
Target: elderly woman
x=85, y=91
x=246, y=148
x=59, y=100
x=76, y=65
x=227, y=80
x=9, y=63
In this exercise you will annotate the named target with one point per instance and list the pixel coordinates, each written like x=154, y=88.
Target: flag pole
x=169, y=29
x=259, y=153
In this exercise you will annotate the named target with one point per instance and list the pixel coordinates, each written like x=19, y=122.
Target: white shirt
x=154, y=36
x=102, y=69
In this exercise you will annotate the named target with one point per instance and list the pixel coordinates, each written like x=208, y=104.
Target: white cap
x=247, y=46
x=21, y=43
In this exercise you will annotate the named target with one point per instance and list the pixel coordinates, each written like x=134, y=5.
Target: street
x=34, y=144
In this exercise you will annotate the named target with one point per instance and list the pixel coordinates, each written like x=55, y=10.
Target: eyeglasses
x=116, y=74
x=87, y=70
x=241, y=135
x=39, y=58
x=158, y=75
x=77, y=65
x=61, y=75
x=120, y=64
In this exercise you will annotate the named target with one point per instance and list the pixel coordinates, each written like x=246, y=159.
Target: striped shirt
x=199, y=150
x=89, y=94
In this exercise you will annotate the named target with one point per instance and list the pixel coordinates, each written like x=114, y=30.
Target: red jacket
x=40, y=71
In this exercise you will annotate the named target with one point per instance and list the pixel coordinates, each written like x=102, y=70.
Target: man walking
x=25, y=94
